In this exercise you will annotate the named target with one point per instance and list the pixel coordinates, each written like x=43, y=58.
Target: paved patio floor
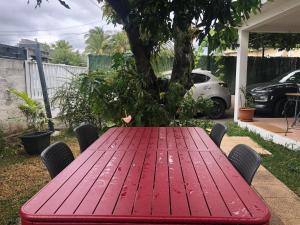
x=281, y=124
x=283, y=203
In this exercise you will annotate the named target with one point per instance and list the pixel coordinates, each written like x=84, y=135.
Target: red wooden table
x=147, y=176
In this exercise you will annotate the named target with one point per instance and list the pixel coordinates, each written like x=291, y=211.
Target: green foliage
x=173, y=98
x=247, y=101
x=74, y=106
x=158, y=19
x=122, y=94
x=228, y=38
x=163, y=60
x=279, y=41
x=63, y=53
x=203, y=123
x=220, y=71
x=151, y=24
x=117, y=43
x=32, y=110
x=108, y=96
x=95, y=41
x=189, y=107
x=98, y=42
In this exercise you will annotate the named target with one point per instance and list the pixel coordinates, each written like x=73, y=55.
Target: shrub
x=107, y=97
x=74, y=107
x=32, y=110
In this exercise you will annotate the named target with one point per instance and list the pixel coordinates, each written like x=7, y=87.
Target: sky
x=51, y=21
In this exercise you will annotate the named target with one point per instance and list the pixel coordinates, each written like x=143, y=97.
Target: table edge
x=141, y=219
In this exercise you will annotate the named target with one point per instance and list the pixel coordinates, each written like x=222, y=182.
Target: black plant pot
x=36, y=142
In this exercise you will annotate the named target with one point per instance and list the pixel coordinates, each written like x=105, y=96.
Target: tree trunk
x=142, y=55
x=184, y=58
x=140, y=51
x=208, y=54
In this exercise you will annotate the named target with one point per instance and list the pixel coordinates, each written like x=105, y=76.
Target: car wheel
x=279, y=108
x=218, y=109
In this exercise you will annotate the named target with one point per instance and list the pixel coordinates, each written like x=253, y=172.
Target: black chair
x=245, y=160
x=217, y=133
x=86, y=134
x=56, y=157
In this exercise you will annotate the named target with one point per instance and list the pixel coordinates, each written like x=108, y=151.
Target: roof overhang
x=277, y=16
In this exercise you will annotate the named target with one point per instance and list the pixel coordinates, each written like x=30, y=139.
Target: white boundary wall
x=23, y=76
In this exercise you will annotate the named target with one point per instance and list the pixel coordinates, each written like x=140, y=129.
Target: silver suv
x=209, y=86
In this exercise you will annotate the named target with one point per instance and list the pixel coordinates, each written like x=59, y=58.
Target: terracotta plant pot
x=247, y=114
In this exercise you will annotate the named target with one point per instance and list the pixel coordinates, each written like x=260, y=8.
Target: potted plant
x=246, y=111
x=38, y=138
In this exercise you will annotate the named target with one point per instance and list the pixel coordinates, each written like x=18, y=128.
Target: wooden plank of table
x=124, y=205
x=211, y=192
x=206, y=139
x=161, y=192
x=110, y=139
x=143, y=199
x=153, y=138
x=190, y=143
x=180, y=142
x=49, y=190
x=196, y=198
x=235, y=206
x=104, y=138
x=74, y=199
x=108, y=200
x=125, y=142
x=162, y=138
x=120, y=138
x=197, y=139
x=179, y=202
x=60, y=195
x=90, y=201
x=145, y=139
x=171, y=143
x=137, y=138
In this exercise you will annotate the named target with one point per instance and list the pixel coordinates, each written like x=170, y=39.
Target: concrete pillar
x=241, y=70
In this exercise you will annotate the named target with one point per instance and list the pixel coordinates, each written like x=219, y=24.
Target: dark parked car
x=270, y=97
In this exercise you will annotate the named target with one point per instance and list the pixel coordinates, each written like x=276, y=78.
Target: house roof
x=277, y=16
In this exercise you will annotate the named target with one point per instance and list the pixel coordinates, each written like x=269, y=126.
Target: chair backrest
x=86, y=134
x=217, y=133
x=245, y=160
x=56, y=157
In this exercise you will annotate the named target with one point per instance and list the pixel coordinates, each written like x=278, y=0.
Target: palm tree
x=95, y=40
x=118, y=43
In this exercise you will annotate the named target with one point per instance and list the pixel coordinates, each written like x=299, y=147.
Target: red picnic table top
x=145, y=176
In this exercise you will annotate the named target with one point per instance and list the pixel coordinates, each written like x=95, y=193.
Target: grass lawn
x=283, y=164
x=23, y=175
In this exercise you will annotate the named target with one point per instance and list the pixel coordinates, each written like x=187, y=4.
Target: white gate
x=56, y=75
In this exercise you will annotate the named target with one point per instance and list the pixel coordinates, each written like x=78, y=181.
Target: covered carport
x=277, y=16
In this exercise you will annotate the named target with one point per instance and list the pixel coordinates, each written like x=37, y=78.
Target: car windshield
x=280, y=79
